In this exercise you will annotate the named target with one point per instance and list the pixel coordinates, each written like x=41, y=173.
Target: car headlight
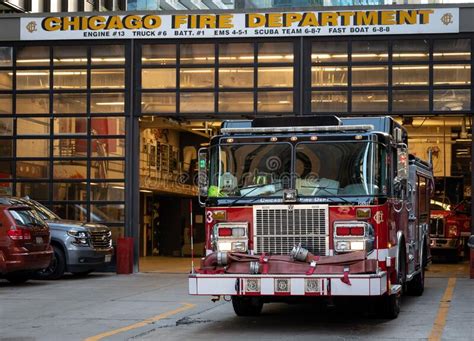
x=230, y=237
x=80, y=237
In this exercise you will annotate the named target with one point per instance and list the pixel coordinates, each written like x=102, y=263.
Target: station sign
x=241, y=25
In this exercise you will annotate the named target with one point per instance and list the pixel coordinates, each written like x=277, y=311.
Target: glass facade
x=64, y=107
x=62, y=130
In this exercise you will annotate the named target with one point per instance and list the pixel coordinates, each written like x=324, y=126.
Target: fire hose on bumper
x=298, y=274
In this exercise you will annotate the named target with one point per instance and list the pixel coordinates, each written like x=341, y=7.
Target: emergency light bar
x=304, y=129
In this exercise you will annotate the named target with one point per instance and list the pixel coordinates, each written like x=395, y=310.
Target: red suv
x=24, y=243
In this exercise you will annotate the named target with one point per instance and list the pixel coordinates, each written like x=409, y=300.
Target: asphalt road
x=155, y=306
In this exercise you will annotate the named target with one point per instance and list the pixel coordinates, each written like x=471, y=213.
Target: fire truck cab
x=313, y=207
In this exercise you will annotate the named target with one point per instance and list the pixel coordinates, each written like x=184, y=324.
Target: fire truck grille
x=437, y=227
x=278, y=228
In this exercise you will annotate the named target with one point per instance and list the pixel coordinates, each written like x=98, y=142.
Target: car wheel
x=56, y=268
x=18, y=278
x=417, y=285
x=389, y=306
x=247, y=306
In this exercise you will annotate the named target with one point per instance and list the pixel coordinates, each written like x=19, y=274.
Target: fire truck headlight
x=353, y=236
x=357, y=246
x=230, y=237
x=343, y=246
x=239, y=247
x=452, y=231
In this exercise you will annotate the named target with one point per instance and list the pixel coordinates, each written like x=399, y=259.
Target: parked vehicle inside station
x=24, y=242
x=79, y=247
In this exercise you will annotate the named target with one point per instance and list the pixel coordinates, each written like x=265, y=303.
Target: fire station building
x=102, y=114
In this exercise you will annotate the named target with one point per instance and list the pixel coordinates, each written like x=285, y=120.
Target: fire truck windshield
x=315, y=169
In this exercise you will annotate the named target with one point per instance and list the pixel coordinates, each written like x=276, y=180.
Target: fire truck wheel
x=417, y=285
x=390, y=306
x=247, y=306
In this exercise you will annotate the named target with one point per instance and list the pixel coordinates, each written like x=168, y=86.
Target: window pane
x=329, y=76
x=275, y=101
x=6, y=148
x=107, y=169
x=196, y=78
x=33, y=126
x=373, y=51
x=329, y=101
x=275, y=53
x=197, y=54
x=69, y=191
x=70, y=126
x=28, y=104
x=107, y=147
x=236, y=53
x=108, y=54
x=452, y=49
x=275, y=77
x=158, y=78
x=159, y=103
x=410, y=75
x=70, y=147
x=405, y=50
x=370, y=75
x=192, y=102
x=6, y=80
x=104, y=103
x=32, y=56
x=6, y=56
x=5, y=104
x=108, y=213
x=108, y=191
x=32, y=148
x=409, y=100
x=452, y=100
x=32, y=169
x=71, y=211
x=72, y=55
x=108, y=125
x=6, y=171
x=6, y=126
x=6, y=188
x=164, y=54
x=107, y=78
x=70, y=79
x=329, y=52
x=70, y=169
x=70, y=103
x=236, y=101
x=240, y=77
x=452, y=74
x=35, y=190
x=32, y=79
x=369, y=101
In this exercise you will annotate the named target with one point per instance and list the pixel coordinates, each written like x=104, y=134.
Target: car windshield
x=319, y=169
x=250, y=169
x=340, y=168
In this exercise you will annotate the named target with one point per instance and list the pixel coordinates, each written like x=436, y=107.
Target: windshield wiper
x=251, y=191
x=327, y=190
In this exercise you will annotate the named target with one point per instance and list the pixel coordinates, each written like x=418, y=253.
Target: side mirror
x=402, y=163
x=203, y=182
x=470, y=241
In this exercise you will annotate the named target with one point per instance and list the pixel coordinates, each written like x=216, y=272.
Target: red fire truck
x=313, y=207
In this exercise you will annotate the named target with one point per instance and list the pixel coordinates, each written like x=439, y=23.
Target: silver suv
x=79, y=247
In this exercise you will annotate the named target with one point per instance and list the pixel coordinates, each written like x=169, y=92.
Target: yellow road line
x=440, y=322
x=186, y=306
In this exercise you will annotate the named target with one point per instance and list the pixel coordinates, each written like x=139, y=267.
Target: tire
x=18, y=278
x=389, y=306
x=247, y=306
x=417, y=285
x=401, y=271
x=56, y=268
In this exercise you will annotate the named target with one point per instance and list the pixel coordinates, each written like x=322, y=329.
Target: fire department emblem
x=31, y=27
x=378, y=217
x=447, y=19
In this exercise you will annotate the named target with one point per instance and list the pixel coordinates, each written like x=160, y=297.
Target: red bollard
x=124, y=255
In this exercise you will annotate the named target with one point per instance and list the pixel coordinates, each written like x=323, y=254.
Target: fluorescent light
x=110, y=103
